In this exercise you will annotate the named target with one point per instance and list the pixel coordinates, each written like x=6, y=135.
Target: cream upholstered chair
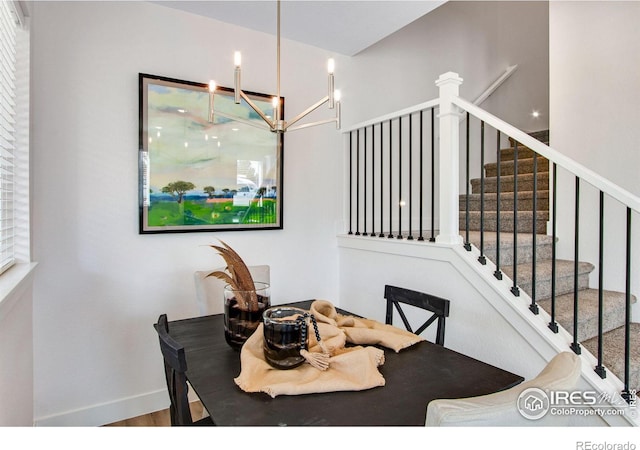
x=501, y=408
x=210, y=290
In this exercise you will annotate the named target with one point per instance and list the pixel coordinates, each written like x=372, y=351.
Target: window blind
x=9, y=20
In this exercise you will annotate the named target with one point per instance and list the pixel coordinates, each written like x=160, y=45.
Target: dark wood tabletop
x=414, y=376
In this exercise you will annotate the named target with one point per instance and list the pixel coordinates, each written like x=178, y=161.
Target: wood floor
x=158, y=418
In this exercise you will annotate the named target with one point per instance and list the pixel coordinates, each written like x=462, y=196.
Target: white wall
x=478, y=40
x=16, y=348
x=594, y=71
x=594, y=98
x=101, y=286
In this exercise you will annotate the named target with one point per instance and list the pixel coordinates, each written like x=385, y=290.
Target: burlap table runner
x=352, y=368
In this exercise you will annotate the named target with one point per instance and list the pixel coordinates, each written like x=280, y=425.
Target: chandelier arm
x=259, y=125
x=313, y=124
x=307, y=111
x=257, y=110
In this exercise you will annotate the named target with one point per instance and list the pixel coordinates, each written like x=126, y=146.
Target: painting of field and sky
x=201, y=175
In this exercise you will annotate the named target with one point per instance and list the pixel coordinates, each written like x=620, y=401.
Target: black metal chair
x=175, y=366
x=438, y=306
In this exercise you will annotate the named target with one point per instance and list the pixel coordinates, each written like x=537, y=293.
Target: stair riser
x=588, y=300
x=525, y=254
x=541, y=135
x=613, y=357
x=588, y=324
x=524, y=166
x=525, y=224
x=564, y=284
x=525, y=183
x=491, y=204
x=506, y=154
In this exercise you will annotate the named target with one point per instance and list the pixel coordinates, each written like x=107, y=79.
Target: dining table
x=413, y=377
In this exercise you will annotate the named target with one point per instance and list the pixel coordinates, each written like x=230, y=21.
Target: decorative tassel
x=318, y=360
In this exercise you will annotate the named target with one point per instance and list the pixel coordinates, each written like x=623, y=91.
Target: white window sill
x=12, y=283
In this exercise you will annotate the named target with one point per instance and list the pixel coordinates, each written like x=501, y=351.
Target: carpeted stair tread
x=612, y=316
x=506, y=239
x=524, y=248
x=525, y=218
x=613, y=352
x=564, y=277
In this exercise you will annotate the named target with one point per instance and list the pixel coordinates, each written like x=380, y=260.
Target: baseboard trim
x=106, y=413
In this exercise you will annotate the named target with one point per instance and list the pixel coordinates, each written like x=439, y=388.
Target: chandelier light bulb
x=337, y=95
x=331, y=65
x=237, y=59
x=212, y=86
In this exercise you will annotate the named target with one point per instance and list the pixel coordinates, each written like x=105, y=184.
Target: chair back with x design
x=396, y=296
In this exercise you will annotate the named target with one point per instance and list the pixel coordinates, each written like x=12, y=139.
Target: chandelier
x=278, y=124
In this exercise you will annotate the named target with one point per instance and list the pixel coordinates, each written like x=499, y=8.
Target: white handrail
x=496, y=84
x=601, y=183
x=394, y=115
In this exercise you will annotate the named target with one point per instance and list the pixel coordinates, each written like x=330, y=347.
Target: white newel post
x=449, y=233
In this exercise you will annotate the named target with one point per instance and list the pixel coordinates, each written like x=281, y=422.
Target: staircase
x=614, y=302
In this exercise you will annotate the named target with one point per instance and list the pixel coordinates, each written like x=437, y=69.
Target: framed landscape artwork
x=203, y=172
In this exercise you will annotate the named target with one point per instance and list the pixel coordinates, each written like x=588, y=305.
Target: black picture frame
x=197, y=175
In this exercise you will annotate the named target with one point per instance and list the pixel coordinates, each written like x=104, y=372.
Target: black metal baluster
x=498, y=272
x=575, y=346
x=433, y=176
x=373, y=180
x=350, y=181
x=381, y=180
x=626, y=393
x=364, y=175
x=533, y=307
x=410, y=237
x=514, y=289
x=390, y=181
x=421, y=237
x=482, y=258
x=399, y=177
x=467, y=244
x=553, y=325
x=599, y=369
x=358, y=182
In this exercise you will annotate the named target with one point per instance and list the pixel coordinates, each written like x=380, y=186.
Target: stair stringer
x=534, y=328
